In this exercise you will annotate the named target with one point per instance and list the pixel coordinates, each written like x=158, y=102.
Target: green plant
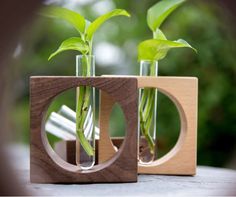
x=83, y=44
x=154, y=50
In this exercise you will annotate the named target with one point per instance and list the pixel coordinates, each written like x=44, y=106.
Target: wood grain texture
x=106, y=149
x=181, y=160
x=47, y=167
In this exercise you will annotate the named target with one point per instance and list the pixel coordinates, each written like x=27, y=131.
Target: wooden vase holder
x=47, y=167
x=181, y=160
x=113, y=166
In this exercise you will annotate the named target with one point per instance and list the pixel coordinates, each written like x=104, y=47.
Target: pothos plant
x=84, y=44
x=154, y=50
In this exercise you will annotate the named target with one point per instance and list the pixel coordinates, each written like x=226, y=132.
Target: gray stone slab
x=209, y=181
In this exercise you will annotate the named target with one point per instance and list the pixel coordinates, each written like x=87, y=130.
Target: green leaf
x=158, y=13
x=70, y=16
x=73, y=43
x=159, y=35
x=157, y=49
x=100, y=20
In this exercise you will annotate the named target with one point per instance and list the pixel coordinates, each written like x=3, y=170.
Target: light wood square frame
x=48, y=167
x=181, y=160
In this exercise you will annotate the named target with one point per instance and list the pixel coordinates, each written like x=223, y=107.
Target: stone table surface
x=208, y=181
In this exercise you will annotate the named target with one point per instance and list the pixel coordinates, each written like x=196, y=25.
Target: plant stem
x=146, y=111
x=83, y=98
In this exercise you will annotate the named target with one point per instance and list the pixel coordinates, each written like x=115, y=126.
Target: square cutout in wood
x=48, y=167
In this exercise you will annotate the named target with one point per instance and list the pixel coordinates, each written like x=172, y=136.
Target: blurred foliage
x=203, y=24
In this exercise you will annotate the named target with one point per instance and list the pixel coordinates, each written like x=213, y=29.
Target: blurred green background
x=206, y=26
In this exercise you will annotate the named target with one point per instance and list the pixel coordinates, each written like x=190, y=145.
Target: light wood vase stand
x=181, y=160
